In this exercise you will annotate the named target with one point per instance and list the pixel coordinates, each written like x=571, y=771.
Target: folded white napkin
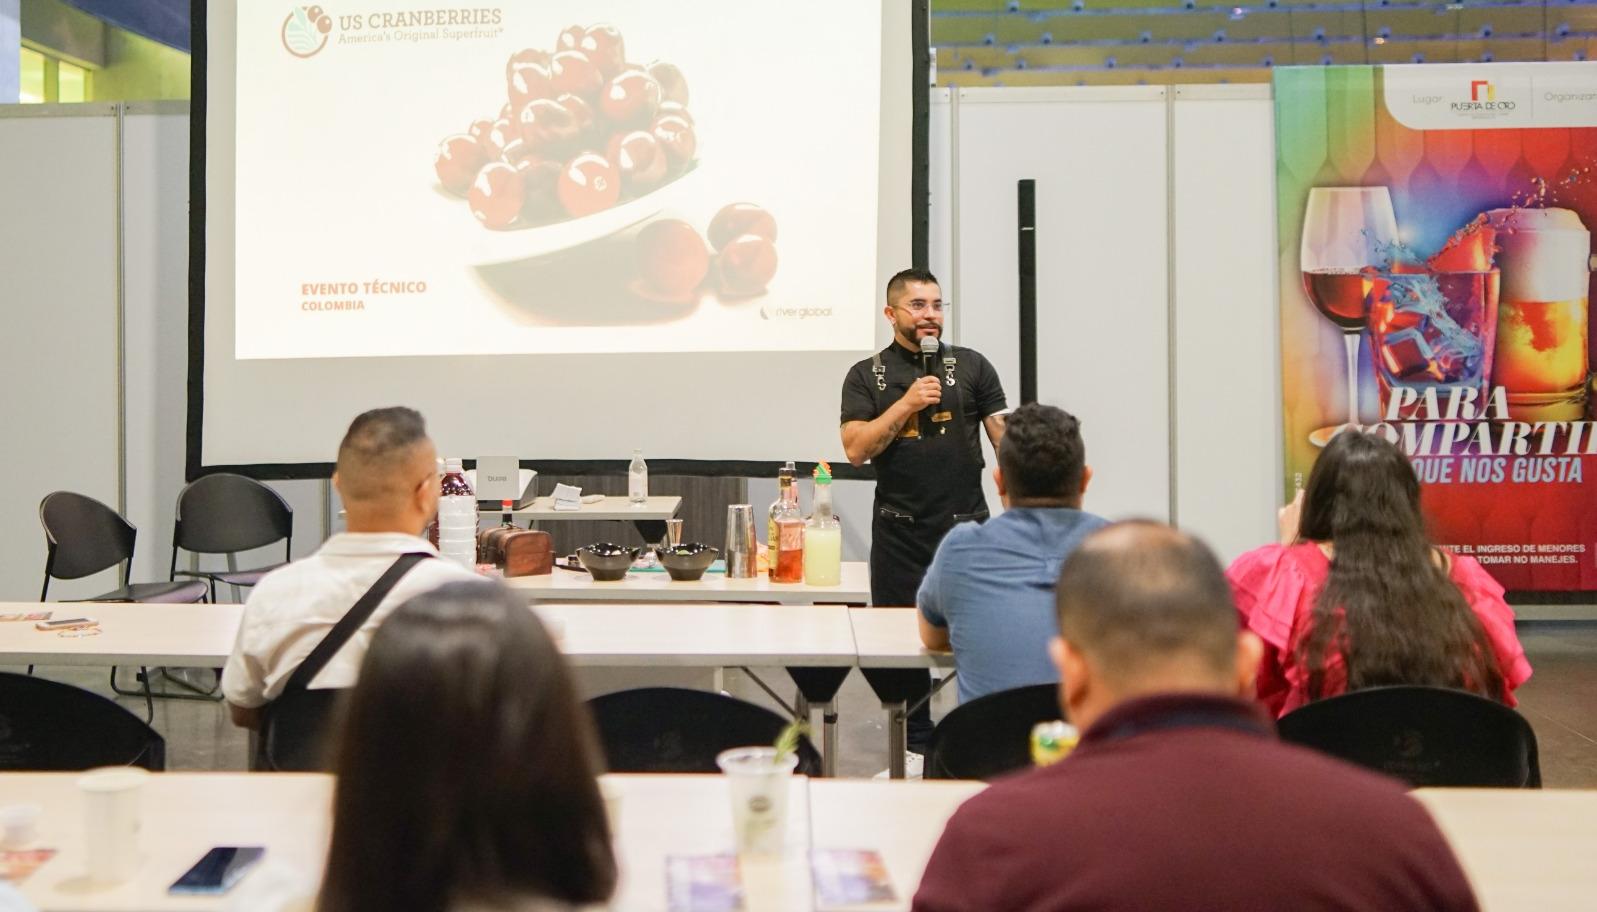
x=567, y=497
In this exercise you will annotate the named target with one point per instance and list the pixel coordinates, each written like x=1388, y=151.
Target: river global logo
x=305, y=31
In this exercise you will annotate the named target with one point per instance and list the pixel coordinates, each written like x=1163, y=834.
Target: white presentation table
x=198, y=636
x=1523, y=849
x=569, y=585
x=702, y=635
x=890, y=638
x=685, y=635
x=187, y=813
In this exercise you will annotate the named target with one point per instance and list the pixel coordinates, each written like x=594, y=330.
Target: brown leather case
x=490, y=545
x=527, y=552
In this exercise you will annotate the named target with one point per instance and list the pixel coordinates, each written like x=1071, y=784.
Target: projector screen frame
x=195, y=467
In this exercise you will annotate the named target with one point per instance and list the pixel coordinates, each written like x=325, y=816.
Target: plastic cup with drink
x=758, y=778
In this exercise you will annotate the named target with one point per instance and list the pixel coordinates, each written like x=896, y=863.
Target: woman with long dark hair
x=466, y=767
x=1357, y=595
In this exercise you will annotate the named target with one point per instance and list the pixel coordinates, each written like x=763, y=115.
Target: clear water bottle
x=638, y=480
x=457, y=517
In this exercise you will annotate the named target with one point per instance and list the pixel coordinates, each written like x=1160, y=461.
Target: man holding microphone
x=913, y=410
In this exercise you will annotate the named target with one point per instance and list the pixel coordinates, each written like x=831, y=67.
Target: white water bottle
x=457, y=517
x=638, y=480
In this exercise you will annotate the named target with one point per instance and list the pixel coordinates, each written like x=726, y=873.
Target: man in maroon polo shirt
x=1179, y=796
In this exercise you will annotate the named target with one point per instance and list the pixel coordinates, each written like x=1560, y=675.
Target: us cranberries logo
x=305, y=31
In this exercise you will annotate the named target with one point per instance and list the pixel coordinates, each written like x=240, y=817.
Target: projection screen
x=561, y=230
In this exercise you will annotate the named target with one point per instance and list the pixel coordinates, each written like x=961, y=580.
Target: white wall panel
x=58, y=350
x=1098, y=157
x=1228, y=375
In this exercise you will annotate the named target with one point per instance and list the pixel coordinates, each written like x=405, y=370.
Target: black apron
x=927, y=480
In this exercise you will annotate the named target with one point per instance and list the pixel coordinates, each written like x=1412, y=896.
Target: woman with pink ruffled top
x=1357, y=596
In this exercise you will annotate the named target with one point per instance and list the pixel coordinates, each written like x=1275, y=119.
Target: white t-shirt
x=291, y=609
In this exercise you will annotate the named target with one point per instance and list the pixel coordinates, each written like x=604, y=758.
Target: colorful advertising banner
x=1435, y=261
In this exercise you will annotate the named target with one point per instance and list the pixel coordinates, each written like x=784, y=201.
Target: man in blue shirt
x=989, y=592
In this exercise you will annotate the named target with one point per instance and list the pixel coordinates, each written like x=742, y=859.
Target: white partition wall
x=94, y=255
x=155, y=211
x=1227, y=447
x=1098, y=157
x=155, y=155
x=59, y=362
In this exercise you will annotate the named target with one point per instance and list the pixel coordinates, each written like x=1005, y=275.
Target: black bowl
x=606, y=562
x=687, y=561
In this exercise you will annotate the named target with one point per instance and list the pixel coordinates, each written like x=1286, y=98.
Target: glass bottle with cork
x=823, y=535
x=785, y=531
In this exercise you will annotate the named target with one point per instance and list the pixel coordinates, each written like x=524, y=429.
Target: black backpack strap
x=351, y=622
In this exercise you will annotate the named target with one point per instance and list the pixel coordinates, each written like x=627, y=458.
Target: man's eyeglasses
x=919, y=308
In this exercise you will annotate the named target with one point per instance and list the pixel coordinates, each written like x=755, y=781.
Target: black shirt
x=901, y=468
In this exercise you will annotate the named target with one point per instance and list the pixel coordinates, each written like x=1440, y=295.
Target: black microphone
x=928, y=356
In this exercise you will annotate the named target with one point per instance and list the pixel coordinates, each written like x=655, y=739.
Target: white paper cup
x=18, y=825
x=113, y=804
x=759, y=797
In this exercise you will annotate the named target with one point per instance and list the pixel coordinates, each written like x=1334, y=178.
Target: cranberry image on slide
x=740, y=219
x=676, y=266
x=496, y=195
x=589, y=184
x=460, y=157
x=640, y=158
x=746, y=266
x=672, y=260
x=581, y=128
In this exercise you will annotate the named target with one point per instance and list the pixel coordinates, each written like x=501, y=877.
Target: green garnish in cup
x=787, y=742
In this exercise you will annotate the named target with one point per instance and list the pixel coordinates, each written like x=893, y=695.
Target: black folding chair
x=990, y=735
x=1426, y=736
x=228, y=514
x=48, y=725
x=676, y=730
x=83, y=537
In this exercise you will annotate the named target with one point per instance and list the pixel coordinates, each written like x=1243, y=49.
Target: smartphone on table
x=218, y=870
x=66, y=624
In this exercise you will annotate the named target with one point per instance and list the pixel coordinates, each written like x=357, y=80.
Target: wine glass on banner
x=1346, y=231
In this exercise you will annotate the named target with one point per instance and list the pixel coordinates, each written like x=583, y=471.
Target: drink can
x=1052, y=741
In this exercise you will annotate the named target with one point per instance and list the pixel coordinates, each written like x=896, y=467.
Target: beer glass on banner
x=1541, y=360
x=1345, y=231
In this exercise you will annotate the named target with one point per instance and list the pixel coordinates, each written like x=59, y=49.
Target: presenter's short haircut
x=895, y=285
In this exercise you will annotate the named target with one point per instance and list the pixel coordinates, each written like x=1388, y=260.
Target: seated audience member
x=465, y=769
x=1179, y=796
x=989, y=592
x=387, y=478
x=493, y=803
x=1357, y=596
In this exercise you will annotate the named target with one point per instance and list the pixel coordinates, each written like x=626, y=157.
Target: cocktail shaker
x=742, y=548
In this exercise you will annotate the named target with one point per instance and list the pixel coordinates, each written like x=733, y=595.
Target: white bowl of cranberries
x=581, y=131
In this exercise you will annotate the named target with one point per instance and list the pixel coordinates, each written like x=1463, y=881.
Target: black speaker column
x=1027, y=230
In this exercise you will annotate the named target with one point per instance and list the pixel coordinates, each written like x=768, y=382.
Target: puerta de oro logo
x=305, y=31
x=1482, y=97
